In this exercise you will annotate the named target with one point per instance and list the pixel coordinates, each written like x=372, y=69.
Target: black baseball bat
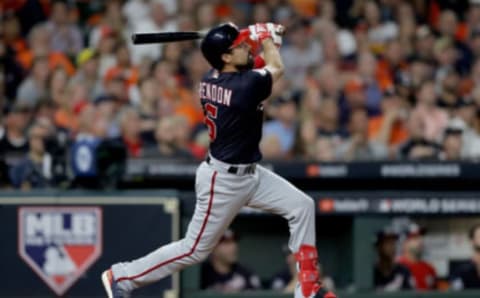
x=161, y=37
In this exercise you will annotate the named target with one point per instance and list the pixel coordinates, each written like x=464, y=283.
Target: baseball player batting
x=231, y=95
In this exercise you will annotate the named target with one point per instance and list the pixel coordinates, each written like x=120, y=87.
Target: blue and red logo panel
x=59, y=243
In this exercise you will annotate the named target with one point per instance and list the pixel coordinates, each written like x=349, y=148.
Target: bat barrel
x=161, y=37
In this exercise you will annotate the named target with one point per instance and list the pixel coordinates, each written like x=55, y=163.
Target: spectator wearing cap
x=88, y=72
x=468, y=276
x=222, y=271
x=357, y=146
x=65, y=36
x=284, y=124
x=388, y=275
x=423, y=273
x=35, y=169
x=390, y=128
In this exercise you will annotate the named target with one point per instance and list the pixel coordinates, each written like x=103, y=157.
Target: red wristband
x=258, y=62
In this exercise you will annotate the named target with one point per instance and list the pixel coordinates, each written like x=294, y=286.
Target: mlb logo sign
x=59, y=243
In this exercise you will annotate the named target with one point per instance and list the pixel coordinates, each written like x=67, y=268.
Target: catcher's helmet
x=218, y=41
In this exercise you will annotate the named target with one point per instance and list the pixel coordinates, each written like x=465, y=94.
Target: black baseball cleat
x=111, y=286
x=323, y=293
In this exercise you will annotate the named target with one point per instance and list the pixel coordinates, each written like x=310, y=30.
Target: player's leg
x=219, y=198
x=276, y=195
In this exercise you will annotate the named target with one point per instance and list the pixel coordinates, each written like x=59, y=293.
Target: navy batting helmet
x=218, y=41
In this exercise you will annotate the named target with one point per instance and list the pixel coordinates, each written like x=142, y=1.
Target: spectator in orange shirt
x=123, y=65
x=390, y=127
x=423, y=273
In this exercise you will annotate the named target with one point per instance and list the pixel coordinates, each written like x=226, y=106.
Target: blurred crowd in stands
x=365, y=80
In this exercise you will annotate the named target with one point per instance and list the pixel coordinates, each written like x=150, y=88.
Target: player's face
x=387, y=248
x=415, y=245
x=227, y=251
x=242, y=57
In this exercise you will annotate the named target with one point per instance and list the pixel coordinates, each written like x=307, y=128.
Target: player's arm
x=273, y=61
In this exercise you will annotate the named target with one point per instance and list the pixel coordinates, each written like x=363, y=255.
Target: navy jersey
x=233, y=113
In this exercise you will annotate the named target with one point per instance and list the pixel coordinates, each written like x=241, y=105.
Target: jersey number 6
x=211, y=114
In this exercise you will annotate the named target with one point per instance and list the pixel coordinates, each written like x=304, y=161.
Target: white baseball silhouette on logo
x=57, y=262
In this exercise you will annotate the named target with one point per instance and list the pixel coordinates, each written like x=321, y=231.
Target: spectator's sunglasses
x=476, y=248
